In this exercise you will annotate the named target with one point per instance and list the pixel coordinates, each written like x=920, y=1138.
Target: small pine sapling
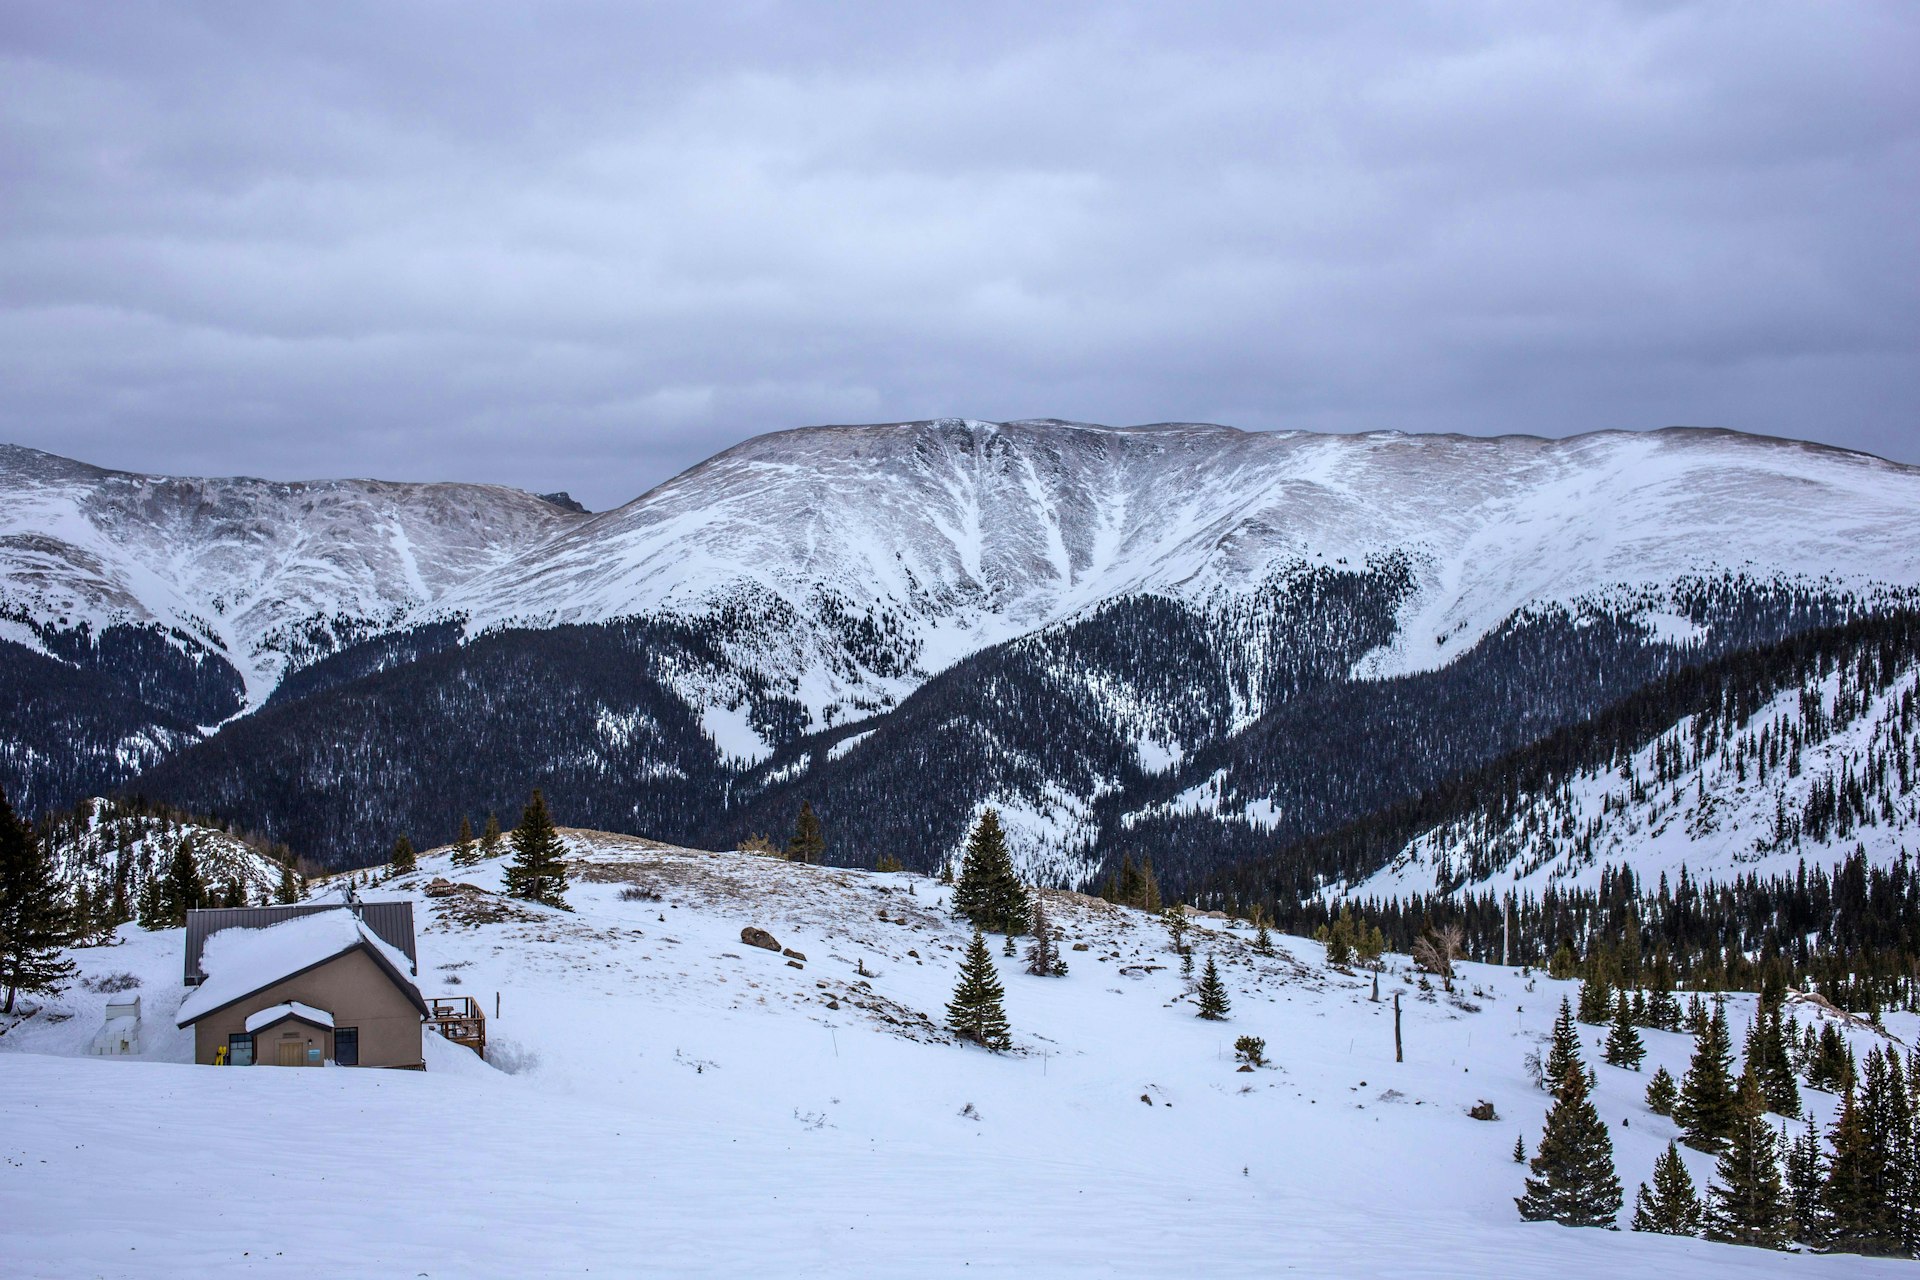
x=1662, y=1092
x=975, y=1013
x=1624, y=1048
x=1213, y=994
x=465, y=852
x=1043, y=955
x=1671, y=1207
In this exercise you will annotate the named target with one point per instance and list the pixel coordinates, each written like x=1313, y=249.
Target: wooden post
x=496, y=1004
x=1398, y=1056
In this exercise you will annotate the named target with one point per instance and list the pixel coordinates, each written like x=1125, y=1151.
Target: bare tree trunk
x=1398, y=1056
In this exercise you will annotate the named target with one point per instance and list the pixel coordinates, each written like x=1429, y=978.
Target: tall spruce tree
x=1706, y=1108
x=1043, y=955
x=1564, y=1055
x=1596, y=997
x=33, y=915
x=1863, y=1205
x=988, y=892
x=1747, y=1203
x=1806, y=1187
x=1213, y=994
x=1766, y=1056
x=1672, y=1207
x=538, y=871
x=975, y=1013
x=153, y=904
x=1624, y=1048
x=1573, y=1180
x=183, y=890
x=809, y=842
x=465, y=852
x=289, y=889
x=404, y=860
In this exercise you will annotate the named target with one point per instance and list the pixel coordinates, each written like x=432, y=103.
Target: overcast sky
x=584, y=246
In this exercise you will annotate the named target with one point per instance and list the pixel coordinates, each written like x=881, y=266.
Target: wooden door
x=293, y=1053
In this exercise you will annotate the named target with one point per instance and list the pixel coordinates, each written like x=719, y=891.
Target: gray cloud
x=584, y=246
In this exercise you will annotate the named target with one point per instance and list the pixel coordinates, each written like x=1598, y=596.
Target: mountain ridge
x=1169, y=589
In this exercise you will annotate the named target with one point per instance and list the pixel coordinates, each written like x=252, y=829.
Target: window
x=346, y=1046
x=240, y=1050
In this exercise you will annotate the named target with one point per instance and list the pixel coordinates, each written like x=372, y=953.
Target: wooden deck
x=458, y=1018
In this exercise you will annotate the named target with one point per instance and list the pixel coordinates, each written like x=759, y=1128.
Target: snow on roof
x=291, y=1009
x=239, y=962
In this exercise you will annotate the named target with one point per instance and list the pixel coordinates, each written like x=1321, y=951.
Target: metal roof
x=391, y=922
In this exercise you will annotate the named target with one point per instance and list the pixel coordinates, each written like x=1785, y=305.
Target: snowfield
x=663, y=1099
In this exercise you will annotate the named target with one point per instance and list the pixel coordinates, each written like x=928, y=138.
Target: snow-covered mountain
x=941, y=538
x=1111, y=634
x=261, y=574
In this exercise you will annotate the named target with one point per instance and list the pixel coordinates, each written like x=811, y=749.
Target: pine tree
x=403, y=861
x=1213, y=994
x=1860, y=1197
x=975, y=1012
x=465, y=852
x=1262, y=935
x=1746, y=1202
x=183, y=890
x=989, y=893
x=1596, y=999
x=1661, y=1092
x=1806, y=1187
x=1562, y=964
x=1573, y=1180
x=153, y=904
x=490, y=838
x=1766, y=1055
x=1520, y=1149
x=289, y=890
x=1623, y=1041
x=1564, y=1056
x=538, y=871
x=1177, y=925
x=1706, y=1108
x=1043, y=956
x=1672, y=1207
x=809, y=843
x=33, y=917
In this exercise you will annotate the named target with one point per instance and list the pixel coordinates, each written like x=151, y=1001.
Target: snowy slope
x=956, y=534
x=250, y=569
x=851, y=562
x=104, y=843
x=1821, y=771
x=664, y=1099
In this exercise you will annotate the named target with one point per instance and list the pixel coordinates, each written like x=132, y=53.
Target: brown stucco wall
x=350, y=987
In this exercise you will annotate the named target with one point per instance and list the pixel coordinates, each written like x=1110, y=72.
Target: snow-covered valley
x=663, y=1099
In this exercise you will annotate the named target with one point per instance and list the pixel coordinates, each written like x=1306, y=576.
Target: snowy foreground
x=666, y=1100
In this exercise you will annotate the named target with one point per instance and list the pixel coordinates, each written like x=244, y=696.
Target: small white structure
x=120, y=1035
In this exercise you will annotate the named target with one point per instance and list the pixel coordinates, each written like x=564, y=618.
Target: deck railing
x=458, y=1018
